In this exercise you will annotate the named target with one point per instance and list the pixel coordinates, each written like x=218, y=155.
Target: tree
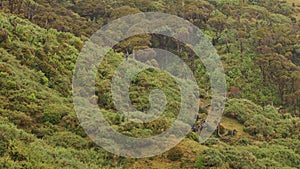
x=92, y=9
x=218, y=24
x=123, y=11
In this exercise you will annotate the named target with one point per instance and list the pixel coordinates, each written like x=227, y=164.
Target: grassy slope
x=29, y=81
x=190, y=150
x=232, y=124
x=25, y=94
x=30, y=118
x=230, y=145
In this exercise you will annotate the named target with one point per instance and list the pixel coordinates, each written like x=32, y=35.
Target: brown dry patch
x=189, y=148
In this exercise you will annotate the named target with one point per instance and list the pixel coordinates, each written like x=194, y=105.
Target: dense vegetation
x=258, y=43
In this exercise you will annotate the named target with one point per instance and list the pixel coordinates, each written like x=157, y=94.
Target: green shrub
x=175, y=154
x=32, y=97
x=41, y=132
x=259, y=125
x=240, y=159
x=270, y=112
x=11, y=85
x=241, y=109
x=51, y=114
x=269, y=163
x=211, y=141
x=11, y=132
x=193, y=136
x=3, y=144
x=8, y=163
x=198, y=163
x=284, y=128
x=43, y=79
x=286, y=157
x=67, y=140
x=211, y=158
x=244, y=141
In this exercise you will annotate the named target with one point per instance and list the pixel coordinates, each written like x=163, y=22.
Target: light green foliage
x=258, y=121
x=67, y=140
x=258, y=124
x=210, y=158
x=242, y=110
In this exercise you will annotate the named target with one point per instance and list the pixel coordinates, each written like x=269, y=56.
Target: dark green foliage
x=212, y=141
x=210, y=158
x=240, y=159
x=67, y=140
x=199, y=163
x=244, y=141
x=52, y=115
x=175, y=154
x=3, y=144
x=258, y=124
x=276, y=153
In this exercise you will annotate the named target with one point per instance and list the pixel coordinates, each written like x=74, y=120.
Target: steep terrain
x=258, y=43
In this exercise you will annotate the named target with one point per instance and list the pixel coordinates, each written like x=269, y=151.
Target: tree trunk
x=241, y=47
x=46, y=23
x=227, y=47
x=281, y=92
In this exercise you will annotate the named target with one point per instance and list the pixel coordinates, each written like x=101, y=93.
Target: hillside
x=259, y=46
x=296, y=6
